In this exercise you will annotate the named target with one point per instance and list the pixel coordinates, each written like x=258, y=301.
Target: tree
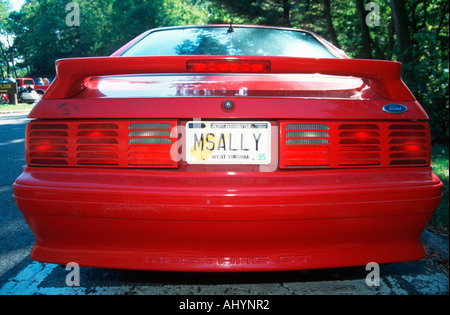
x=42, y=35
x=328, y=18
x=285, y=19
x=400, y=18
x=365, y=33
x=414, y=32
x=5, y=57
x=270, y=12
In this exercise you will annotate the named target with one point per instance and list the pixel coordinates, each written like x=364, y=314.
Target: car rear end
x=227, y=163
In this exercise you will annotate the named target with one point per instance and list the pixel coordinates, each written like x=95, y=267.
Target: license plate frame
x=228, y=142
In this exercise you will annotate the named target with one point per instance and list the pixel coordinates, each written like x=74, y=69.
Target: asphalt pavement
x=19, y=275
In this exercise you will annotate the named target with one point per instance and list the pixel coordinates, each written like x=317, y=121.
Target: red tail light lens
x=228, y=66
x=409, y=144
x=359, y=145
x=336, y=144
x=143, y=144
x=304, y=145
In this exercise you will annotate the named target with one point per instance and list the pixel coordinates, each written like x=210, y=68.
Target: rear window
x=242, y=41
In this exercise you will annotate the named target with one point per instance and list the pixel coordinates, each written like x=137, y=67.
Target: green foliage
x=41, y=35
x=37, y=33
x=3, y=12
x=4, y=51
x=427, y=73
x=440, y=155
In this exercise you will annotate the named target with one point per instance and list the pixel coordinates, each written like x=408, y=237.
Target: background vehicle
x=27, y=94
x=4, y=99
x=40, y=89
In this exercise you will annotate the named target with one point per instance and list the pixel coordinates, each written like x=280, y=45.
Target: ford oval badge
x=395, y=108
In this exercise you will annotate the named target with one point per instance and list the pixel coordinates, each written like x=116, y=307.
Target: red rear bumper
x=227, y=221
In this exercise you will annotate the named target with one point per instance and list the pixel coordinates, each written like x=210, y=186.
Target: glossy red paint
x=382, y=76
x=210, y=108
x=352, y=184
x=237, y=84
x=186, y=221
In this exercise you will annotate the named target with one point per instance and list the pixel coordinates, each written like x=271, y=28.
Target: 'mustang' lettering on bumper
x=226, y=260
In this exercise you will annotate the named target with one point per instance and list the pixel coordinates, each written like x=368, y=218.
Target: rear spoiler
x=384, y=77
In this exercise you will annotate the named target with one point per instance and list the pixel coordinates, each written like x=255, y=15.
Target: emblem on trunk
x=395, y=108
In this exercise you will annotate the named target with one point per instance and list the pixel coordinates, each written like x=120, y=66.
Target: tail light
x=150, y=143
x=302, y=144
x=305, y=144
x=228, y=66
x=409, y=144
x=97, y=144
x=332, y=144
x=359, y=145
x=48, y=144
x=140, y=144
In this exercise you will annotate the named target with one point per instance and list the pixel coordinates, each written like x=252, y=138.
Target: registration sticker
x=225, y=142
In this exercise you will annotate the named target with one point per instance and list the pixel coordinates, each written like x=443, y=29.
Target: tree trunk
x=5, y=58
x=365, y=33
x=400, y=18
x=441, y=21
x=286, y=20
x=391, y=42
x=331, y=31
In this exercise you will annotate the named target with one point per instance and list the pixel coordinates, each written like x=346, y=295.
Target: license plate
x=224, y=142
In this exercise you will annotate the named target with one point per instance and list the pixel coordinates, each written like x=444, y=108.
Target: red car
x=218, y=148
x=40, y=89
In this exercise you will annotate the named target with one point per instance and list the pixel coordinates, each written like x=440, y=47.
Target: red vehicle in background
x=40, y=89
x=218, y=148
x=4, y=98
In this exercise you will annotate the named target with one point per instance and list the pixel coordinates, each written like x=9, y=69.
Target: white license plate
x=225, y=142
